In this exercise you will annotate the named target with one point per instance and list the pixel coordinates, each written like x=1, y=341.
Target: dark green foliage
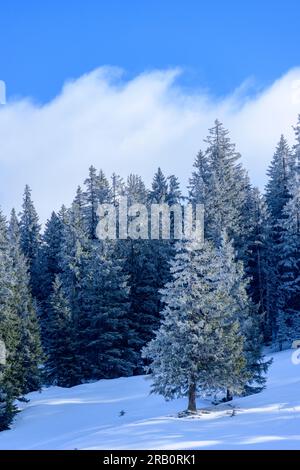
x=61, y=365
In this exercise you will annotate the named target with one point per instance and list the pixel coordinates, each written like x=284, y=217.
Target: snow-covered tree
x=135, y=190
x=61, y=367
x=174, y=195
x=107, y=333
x=253, y=250
x=159, y=189
x=280, y=173
x=9, y=330
x=148, y=270
x=29, y=352
x=50, y=265
x=50, y=253
x=278, y=192
x=74, y=254
x=199, y=181
x=117, y=188
x=288, y=320
x=30, y=239
x=225, y=182
x=248, y=315
x=199, y=345
x=97, y=191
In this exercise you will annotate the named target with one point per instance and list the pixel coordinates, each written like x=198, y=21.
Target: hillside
x=91, y=416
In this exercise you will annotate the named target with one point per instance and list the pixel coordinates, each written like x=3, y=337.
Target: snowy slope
x=88, y=417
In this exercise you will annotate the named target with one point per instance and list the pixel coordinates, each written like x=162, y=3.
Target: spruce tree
x=97, y=192
x=143, y=265
x=280, y=172
x=224, y=180
x=50, y=255
x=248, y=315
x=117, y=188
x=79, y=198
x=256, y=259
x=61, y=366
x=29, y=351
x=50, y=266
x=9, y=331
x=288, y=320
x=74, y=255
x=147, y=264
x=91, y=200
x=174, y=195
x=108, y=333
x=135, y=190
x=199, y=181
x=159, y=190
x=199, y=345
x=296, y=149
x=30, y=239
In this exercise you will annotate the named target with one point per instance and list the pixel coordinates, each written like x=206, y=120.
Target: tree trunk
x=192, y=398
x=228, y=395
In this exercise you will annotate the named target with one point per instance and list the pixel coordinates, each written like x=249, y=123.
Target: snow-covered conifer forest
x=198, y=319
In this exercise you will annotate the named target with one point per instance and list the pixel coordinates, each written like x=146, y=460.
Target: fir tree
x=296, y=149
x=30, y=239
x=79, y=198
x=174, y=195
x=61, y=365
x=9, y=331
x=147, y=263
x=50, y=253
x=117, y=188
x=107, y=332
x=199, y=345
x=135, y=190
x=97, y=192
x=74, y=255
x=199, y=181
x=159, y=190
x=147, y=270
x=253, y=250
x=288, y=320
x=50, y=265
x=29, y=352
x=91, y=200
x=246, y=313
x=278, y=194
x=224, y=180
x=280, y=173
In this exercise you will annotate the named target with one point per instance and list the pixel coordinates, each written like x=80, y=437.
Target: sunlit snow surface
x=88, y=417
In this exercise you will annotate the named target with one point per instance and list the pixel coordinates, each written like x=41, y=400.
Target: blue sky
x=219, y=44
x=131, y=85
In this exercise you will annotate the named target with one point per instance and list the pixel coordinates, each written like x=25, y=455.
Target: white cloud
x=132, y=126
